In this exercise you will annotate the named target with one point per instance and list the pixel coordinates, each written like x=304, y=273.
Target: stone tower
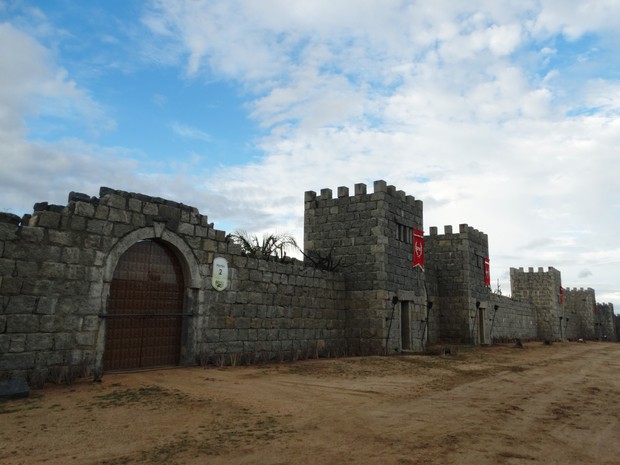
x=457, y=261
x=542, y=290
x=579, y=306
x=368, y=237
x=604, y=322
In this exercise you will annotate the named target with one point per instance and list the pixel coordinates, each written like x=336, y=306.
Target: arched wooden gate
x=145, y=309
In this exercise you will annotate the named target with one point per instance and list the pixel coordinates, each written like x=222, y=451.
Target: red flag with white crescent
x=487, y=272
x=418, y=248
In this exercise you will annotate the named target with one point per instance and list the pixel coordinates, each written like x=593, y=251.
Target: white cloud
x=405, y=93
x=32, y=86
x=579, y=18
x=460, y=104
x=189, y=132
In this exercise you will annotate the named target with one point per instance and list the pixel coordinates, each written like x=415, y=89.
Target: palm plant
x=269, y=246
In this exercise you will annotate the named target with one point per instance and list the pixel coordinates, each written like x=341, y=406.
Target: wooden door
x=145, y=309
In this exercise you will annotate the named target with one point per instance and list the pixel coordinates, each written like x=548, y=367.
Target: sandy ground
x=556, y=404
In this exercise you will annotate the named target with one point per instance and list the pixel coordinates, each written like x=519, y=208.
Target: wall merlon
x=220, y=235
x=380, y=186
x=360, y=189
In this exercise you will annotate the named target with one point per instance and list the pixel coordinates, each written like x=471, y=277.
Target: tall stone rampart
x=356, y=293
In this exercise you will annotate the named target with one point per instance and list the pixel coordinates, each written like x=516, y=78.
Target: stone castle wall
x=356, y=292
x=511, y=319
x=57, y=264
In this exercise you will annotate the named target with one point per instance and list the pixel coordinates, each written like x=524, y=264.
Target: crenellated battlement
x=540, y=270
x=606, y=304
x=581, y=290
x=361, y=194
x=464, y=232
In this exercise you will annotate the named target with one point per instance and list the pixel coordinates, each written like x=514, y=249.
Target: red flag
x=418, y=248
x=561, y=295
x=487, y=272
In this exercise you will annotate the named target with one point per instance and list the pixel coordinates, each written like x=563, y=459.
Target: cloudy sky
x=501, y=114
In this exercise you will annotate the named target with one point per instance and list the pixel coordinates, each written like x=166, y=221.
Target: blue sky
x=501, y=114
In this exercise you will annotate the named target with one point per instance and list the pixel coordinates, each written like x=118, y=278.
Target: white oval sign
x=219, y=280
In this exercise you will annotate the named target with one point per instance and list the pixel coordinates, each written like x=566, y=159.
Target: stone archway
x=145, y=309
x=191, y=279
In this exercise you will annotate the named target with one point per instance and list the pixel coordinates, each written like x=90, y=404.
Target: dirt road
x=556, y=404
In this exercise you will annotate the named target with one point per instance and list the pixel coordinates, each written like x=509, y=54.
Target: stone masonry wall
x=457, y=261
x=413, y=326
x=360, y=233
x=542, y=290
x=357, y=291
x=604, y=322
x=579, y=306
x=511, y=320
x=56, y=267
x=274, y=311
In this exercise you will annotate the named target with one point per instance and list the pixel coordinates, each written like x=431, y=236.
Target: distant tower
x=368, y=238
x=542, y=289
x=605, y=322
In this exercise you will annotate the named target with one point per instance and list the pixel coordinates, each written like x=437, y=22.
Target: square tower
x=542, y=289
x=369, y=238
x=457, y=262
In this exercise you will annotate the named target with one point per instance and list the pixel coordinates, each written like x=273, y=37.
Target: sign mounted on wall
x=219, y=280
